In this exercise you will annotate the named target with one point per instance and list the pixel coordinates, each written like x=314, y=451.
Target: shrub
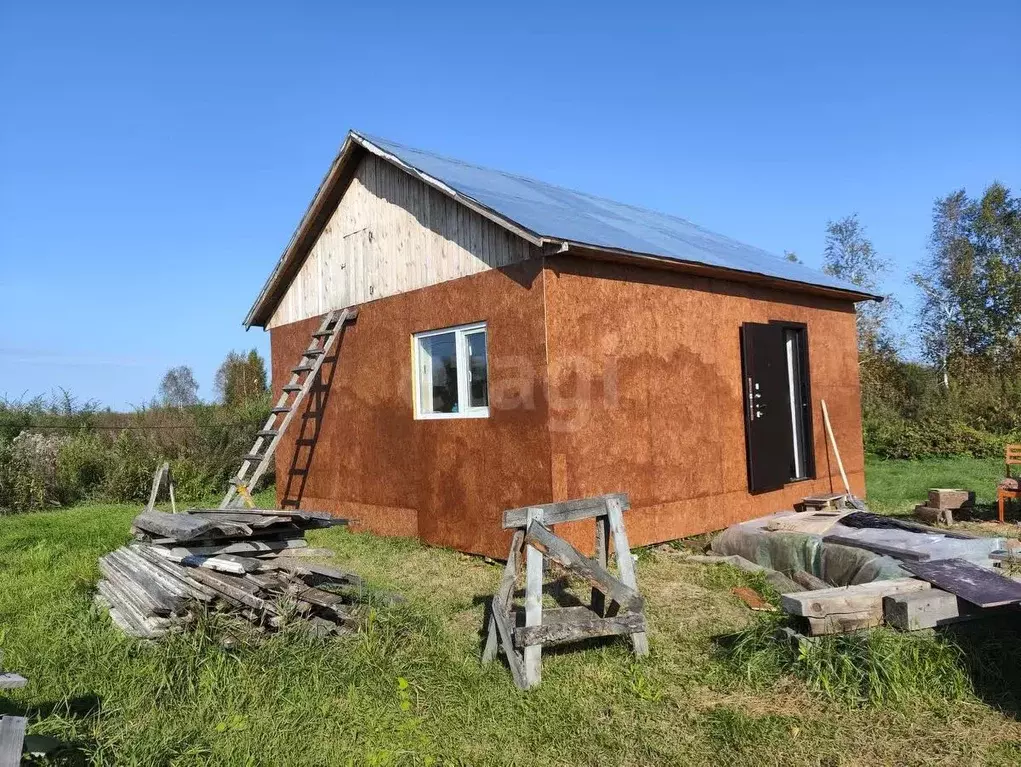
x=929, y=438
x=20, y=488
x=83, y=463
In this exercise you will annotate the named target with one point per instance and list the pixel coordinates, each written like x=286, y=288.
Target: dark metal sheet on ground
x=978, y=585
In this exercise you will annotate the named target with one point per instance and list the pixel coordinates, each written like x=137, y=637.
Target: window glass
x=478, y=371
x=797, y=380
x=439, y=368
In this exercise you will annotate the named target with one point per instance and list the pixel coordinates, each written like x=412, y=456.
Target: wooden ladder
x=303, y=376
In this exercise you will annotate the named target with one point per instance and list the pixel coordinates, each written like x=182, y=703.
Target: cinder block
x=950, y=499
x=934, y=516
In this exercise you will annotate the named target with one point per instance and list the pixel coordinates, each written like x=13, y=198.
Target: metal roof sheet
x=556, y=213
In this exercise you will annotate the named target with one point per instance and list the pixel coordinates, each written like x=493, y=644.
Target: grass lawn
x=896, y=487
x=410, y=689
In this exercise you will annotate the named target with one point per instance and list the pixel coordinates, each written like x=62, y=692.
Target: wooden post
x=533, y=605
x=625, y=565
x=602, y=555
x=504, y=593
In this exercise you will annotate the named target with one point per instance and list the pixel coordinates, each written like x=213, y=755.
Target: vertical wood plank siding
x=391, y=234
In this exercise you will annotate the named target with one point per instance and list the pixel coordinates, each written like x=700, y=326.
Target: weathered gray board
x=845, y=600
x=12, y=739
x=978, y=585
x=10, y=681
x=565, y=511
x=928, y=609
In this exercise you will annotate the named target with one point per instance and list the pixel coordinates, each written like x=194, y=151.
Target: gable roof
x=545, y=215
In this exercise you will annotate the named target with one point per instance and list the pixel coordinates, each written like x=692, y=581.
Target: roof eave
x=697, y=267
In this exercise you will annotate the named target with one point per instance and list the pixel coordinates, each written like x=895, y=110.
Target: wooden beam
x=847, y=599
x=505, y=593
x=602, y=544
x=625, y=564
x=564, y=511
x=12, y=740
x=11, y=681
x=897, y=552
x=500, y=613
x=564, y=554
x=533, y=601
x=559, y=632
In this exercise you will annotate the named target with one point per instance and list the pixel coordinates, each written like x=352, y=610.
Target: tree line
x=953, y=385
x=58, y=451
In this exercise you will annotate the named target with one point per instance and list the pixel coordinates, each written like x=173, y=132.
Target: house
x=522, y=343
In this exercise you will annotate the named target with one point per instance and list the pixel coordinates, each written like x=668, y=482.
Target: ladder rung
x=266, y=433
x=281, y=409
x=323, y=333
x=253, y=457
x=302, y=368
x=292, y=387
x=313, y=352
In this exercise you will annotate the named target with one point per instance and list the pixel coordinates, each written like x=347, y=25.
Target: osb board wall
x=445, y=480
x=646, y=394
x=390, y=234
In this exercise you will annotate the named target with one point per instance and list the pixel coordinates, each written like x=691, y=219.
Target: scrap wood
x=229, y=560
x=981, y=586
x=844, y=600
x=809, y=581
x=811, y=522
x=931, y=608
x=12, y=681
x=12, y=740
x=753, y=599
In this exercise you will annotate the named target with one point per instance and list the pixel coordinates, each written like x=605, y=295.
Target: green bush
x=55, y=454
x=20, y=487
x=83, y=463
x=931, y=438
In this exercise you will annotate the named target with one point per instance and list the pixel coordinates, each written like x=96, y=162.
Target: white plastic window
x=451, y=378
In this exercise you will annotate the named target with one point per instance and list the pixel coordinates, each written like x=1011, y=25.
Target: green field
x=410, y=690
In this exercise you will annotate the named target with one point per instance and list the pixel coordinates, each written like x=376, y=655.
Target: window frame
x=461, y=332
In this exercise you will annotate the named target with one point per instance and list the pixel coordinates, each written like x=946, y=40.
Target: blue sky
x=154, y=162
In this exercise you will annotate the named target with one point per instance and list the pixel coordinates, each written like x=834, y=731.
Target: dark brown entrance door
x=767, y=406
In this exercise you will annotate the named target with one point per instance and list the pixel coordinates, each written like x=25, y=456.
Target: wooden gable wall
x=391, y=233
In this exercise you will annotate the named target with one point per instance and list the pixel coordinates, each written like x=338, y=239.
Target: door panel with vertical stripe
x=767, y=406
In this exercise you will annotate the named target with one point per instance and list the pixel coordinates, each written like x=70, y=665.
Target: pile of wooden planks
x=247, y=562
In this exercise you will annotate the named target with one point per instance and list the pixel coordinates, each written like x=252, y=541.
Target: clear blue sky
x=153, y=163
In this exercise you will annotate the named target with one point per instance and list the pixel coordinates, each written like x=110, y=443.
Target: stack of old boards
x=616, y=605
x=247, y=562
x=867, y=569
x=12, y=728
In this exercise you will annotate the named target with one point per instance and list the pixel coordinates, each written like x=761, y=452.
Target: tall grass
x=869, y=668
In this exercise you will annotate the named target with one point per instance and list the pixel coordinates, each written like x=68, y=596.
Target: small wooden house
x=521, y=343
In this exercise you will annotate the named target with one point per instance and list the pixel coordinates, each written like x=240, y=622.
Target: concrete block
x=934, y=516
x=950, y=499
